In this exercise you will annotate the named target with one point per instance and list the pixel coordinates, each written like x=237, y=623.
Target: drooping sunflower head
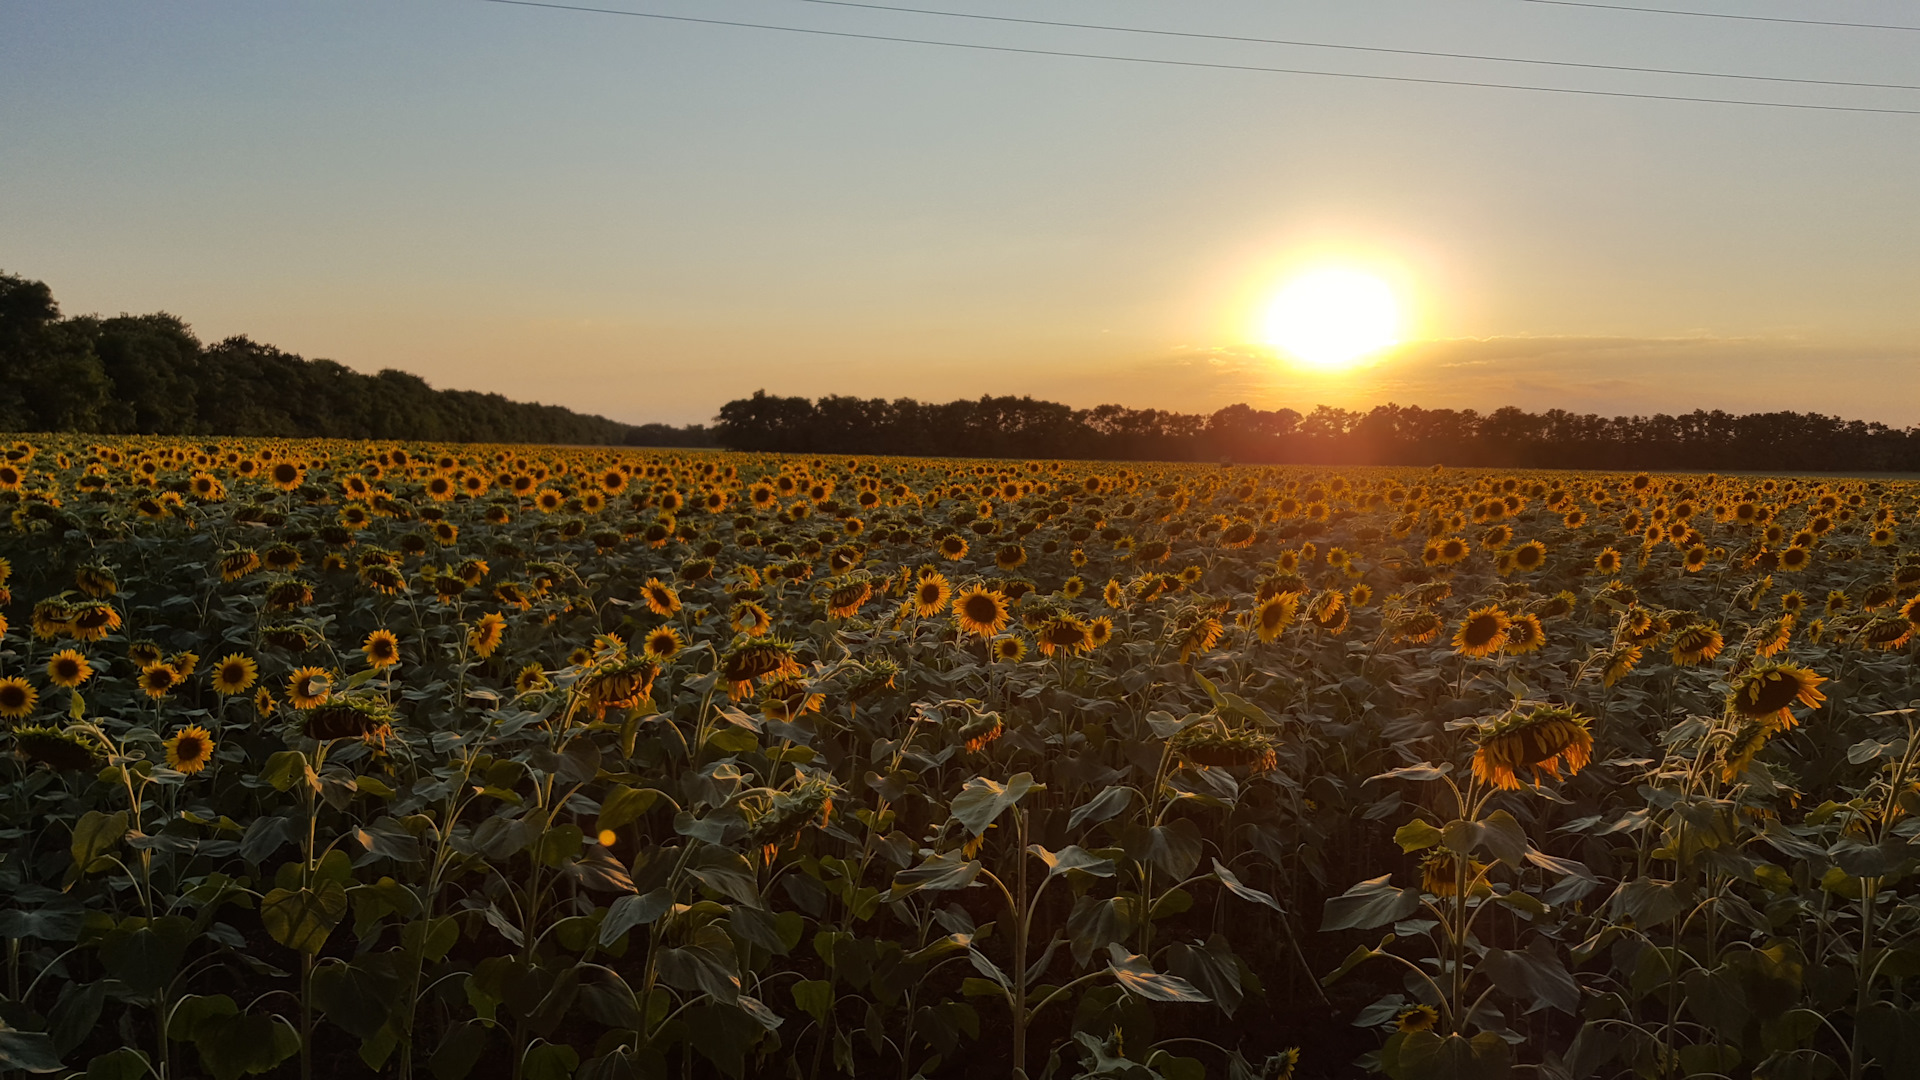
x=347, y=718
x=1767, y=692
x=59, y=750
x=845, y=600
x=1064, y=632
x=620, y=682
x=1742, y=747
x=1208, y=745
x=756, y=660
x=1696, y=643
x=1544, y=738
x=1440, y=875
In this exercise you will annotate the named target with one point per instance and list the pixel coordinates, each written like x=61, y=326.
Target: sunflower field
x=357, y=759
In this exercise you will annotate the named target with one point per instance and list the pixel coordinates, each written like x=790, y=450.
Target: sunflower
x=1066, y=632
x=931, y=595
x=1618, y=661
x=1010, y=557
x=487, y=633
x=1795, y=559
x=1451, y=550
x=1695, y=644
x=1767, y=692
x=1198, y=636
x=661, y=643
x=234, y=675
x=1210, y=746
x=1696, y=558
x=981, y=731
x=1329, y=611
x=619, y=683
x=530, y=678
x=845, y=602
x=980, y=611
x=158, y=680
x=190, y=749
x=953, y=547
x=1607, y=562
x=93, y=622
x=348, y=718
x=1099, y=631
x=1417, y=1017
x=238, y=563
x=788, y=697
x=660, y=597
x=1745, y=744
x=1440, y=875
x=286, y=475
x=309, y=687
x=1543, y=739
x=1483, y=632
x=17, y=698
x=1275, y=614
x=1529, y=556
x=96, y=581
x=1524, y=635
x=758, y=660
x=1114, y=594
x=59, y=750
x=382, y=649
x=69, y=668
x=1775, y=636
x=748, y=617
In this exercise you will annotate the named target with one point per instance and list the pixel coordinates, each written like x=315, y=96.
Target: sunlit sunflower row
x=624, y=760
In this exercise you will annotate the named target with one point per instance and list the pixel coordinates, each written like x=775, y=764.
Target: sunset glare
x=1332, y=318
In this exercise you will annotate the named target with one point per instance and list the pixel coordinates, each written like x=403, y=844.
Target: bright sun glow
x=1332, y=318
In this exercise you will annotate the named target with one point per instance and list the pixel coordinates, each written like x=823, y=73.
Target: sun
x=1332, y=317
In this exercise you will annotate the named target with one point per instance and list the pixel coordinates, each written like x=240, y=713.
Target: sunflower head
x=981, y=611
x=1545, y=739
x=1208, y=745
x=1483, y=632
x=190, y=749
x=59, y=750
x=382, y=649
x=1767, y=692
x=235, y=674
x=68, y=668
x=347, y=718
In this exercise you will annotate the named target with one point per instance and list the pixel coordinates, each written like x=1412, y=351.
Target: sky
x=645, y=218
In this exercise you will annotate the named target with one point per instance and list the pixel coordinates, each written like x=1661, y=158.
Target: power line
x=1724, y=15
x=1357, y=48
x=847, y=34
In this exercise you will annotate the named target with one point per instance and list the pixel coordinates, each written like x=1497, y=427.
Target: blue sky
x=645, y=218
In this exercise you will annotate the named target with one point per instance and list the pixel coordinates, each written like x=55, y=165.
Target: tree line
x=1700, y=441
x=150, y=375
